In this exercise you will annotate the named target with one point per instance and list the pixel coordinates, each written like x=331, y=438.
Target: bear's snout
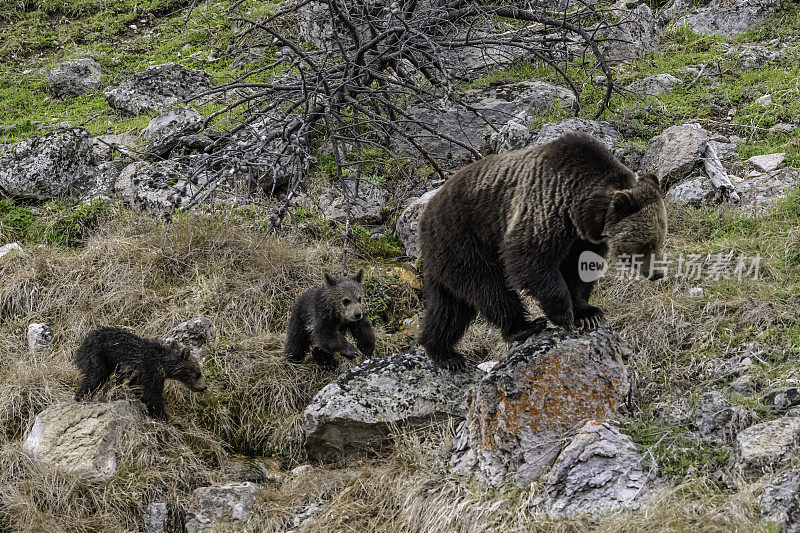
x=358, y=315
x=656, y=276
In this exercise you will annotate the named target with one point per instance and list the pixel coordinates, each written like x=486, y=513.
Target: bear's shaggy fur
x=322, y=316
x=519, y=221
x=145, y=363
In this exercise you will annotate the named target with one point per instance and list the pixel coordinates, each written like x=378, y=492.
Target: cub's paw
x=350, y=352
x=589, y=319
x=526, y=330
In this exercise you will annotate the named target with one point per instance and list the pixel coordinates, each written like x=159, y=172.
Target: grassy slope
x=105, y=265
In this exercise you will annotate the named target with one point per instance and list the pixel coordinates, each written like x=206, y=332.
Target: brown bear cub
x=323, y=315
x=519, y=221
x=145, y=363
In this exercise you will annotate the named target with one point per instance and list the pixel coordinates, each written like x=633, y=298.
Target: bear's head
x=636, y=227
x=345, y=295
x=184, y=367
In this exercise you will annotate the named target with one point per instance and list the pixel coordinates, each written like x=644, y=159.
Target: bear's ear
x=174, y=345
x=359, y=276
x=330, y=280
x=186, y=353
x=652, y=179
x=622, y=204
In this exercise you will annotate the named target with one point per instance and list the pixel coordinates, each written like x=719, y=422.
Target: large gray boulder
x=166, y=130
x=601, y=470
x=729, y=17
x=494, y=108
x=221, y=508
x=56, y=165
x=716, y=420
x=407, y=227
x=358, y=409
x=74, y=77
x=366, y=202
x=156, y=186
x=82, y=438
x=781, y=502
x=693, y=192
x=635, y=33
x=677, y=153
x=159, y=87
x=602, y=131
x=766, y=447
x=551, y=383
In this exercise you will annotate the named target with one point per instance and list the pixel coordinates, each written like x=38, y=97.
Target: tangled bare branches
x=355, y=73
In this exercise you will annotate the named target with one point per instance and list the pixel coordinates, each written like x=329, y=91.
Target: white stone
x=768, y=162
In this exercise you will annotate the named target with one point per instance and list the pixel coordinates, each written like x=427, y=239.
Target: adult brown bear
x=520, y=221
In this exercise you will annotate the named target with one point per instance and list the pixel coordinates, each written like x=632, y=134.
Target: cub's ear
x=652, y=179
x=186, y=353
x=174, y=345
x=622, y=204
x=330, y=280
x=359, y=276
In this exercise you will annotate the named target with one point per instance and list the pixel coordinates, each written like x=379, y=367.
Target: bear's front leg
x=543, y=280
x=324, y=359
x=333, y=341
x=364, y=335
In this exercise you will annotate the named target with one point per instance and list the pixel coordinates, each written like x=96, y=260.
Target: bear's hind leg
x=94, y=375
x=446, y=320
x=298, y=340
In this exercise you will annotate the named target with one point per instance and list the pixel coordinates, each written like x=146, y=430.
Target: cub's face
x=188, y=371
x=636, y=228
x=346, y=294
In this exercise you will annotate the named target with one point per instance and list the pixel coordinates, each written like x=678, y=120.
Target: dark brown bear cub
x=520, y=221
x=145, y=363
x=321, y=318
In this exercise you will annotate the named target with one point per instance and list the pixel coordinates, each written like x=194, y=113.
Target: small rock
x=156, y=517
x=696, y=292
x=654, y=85
x=716, y=420
x=194, y=334
x=221, y=508
x=166, y=130
x=515, y=134
x=601, y=470
x=781, y=502
x=695, y=192
x=781, y=400
x=357, y=409
x=762, y=190
x=159, y=87
x=730, y=17
x=156, y=187
x=105, y=147
x=301, y=470
x=756, y=56
x=767, y=162
x=764, y=101
x=745, y=385
x=765, y=447
x=487, y=366
x=366, y=203
x=13, y=247
x=74, y=77
x=677, y=153
x=783, y=127
x=40, y=337
x=635, y=33
x=407, y=227
x=80, y=437
x=602, y=131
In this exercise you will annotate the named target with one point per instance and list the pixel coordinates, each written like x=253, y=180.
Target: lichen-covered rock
x=783, y=399
x=407, y=227
x=761, y=191
x=166, y=130
x=767, y=162
x=602, y=131
x=496, y=105
x=766, y=447
x=56, y=165
x=635, y=33
x=112, y=146
x=551, y=383
x=781, y=502
x=156, y=186
x=515, y=134
x=694, y=192
x=156, y=517
x=357, y=409
x=194, y=334
x=11, y=248
x=221, y=508
x=159, y=87
x=366, y=202
x=677, y=153
x=654, y=85
x=82, y=438
x=730, y=17
x=40, y=337
x=756, y=56
x=716, y=420
x=600, y=471
x=74, y=77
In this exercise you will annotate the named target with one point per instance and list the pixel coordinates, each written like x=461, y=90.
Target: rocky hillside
x=682, y=413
